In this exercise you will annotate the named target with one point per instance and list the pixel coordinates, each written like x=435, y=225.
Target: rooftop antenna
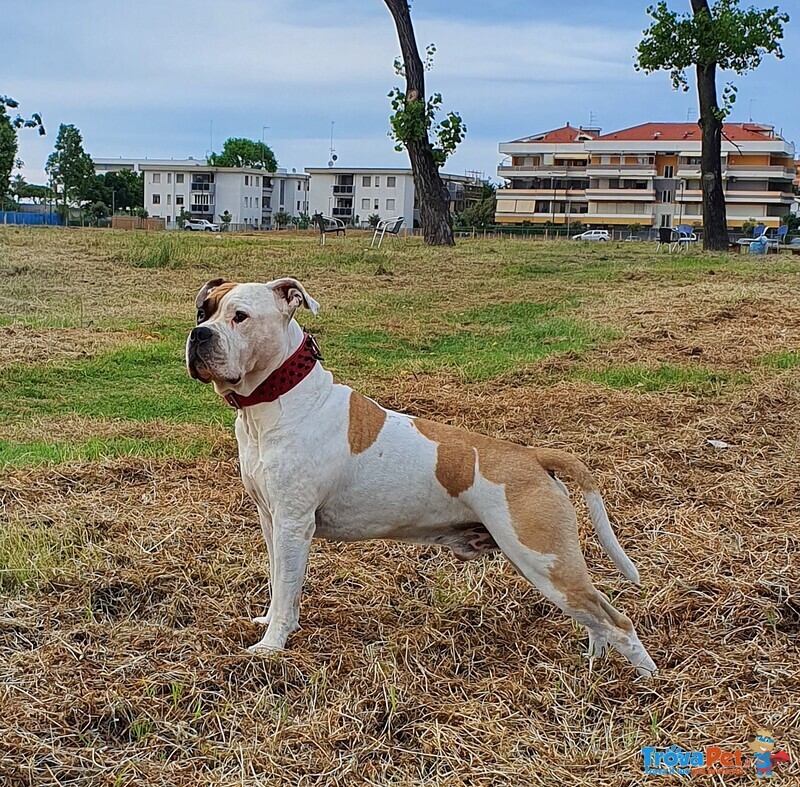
x=592, y=120
x=690, y=115
x=333, y=157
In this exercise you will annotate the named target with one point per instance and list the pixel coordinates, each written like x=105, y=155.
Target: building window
x=179, y=199
x=365, y=203
x=256, y=201
x=258, y=180
x=169, y=180
x=377, y=204
x=669, y=171
x=389, y=204
x=377, y=181
x=179, y=178
x=267, y=202
x=391, y=181
x=169, y=199
x=298, y=206
x=666, y=220
x=156, y=177
x=246, y=180
x=666, y=196
x=299, y=185
x=156, y=199
x=366, y=181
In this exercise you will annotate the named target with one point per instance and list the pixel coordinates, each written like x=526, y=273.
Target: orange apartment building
x=648, y=175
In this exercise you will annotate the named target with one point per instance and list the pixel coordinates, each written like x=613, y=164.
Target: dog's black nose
x=200, y=335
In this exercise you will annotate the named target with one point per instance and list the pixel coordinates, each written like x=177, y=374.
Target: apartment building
x=648, y=174
x=355, y=194
x=249, y=194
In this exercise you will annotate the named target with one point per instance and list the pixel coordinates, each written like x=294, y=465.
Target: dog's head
x=242, y=329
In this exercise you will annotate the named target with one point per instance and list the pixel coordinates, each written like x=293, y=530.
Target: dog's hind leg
x=540, y=539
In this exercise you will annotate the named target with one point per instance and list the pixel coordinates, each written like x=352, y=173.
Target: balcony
x=202, y=187
x=758, y=171
x=204, y=209
x=540, y=169
x=543, y=193
x=343, y=212
x=337, y=189
x=647, y=170
x=621, y=195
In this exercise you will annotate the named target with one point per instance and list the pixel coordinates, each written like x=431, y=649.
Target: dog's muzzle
x=199, y=345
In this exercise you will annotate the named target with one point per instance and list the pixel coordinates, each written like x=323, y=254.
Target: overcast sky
x=164, y=79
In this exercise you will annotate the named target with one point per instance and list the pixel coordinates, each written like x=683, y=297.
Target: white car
x=601, y=235
x=200, y=225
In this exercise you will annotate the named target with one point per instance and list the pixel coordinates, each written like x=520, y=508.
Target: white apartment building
x=355, y=194
x=249, y=194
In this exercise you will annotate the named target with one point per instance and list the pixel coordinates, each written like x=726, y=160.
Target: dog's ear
x=205, y=291
x=291, y=295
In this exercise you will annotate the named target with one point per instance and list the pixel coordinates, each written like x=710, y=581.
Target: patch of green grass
x=32, y=551
x=140, y=383
x=661, y=378
x=38, y=452
x=783, y=359
x=479, y=344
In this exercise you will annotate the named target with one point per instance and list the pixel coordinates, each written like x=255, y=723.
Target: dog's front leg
x=266, y=530
x=291, y=542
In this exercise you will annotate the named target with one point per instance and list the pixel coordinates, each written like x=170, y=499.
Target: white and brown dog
x=320, y=460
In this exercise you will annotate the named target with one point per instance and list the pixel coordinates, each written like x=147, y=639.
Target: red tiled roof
x=678, y=132
x=566, y=133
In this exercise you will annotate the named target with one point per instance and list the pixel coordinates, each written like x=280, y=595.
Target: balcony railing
x=342, y=211
x=337, y=189
x=202, y=187
x=595, y=166
x=202, y=208
x=555, y=168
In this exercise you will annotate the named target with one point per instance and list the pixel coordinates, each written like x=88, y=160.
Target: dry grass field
x=131, y=562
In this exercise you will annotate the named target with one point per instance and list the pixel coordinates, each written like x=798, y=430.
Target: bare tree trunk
x=715, y=223
x=434, y=208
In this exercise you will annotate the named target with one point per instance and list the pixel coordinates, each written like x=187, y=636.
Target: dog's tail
x=563, y=462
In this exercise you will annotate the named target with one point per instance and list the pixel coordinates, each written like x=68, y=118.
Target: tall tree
x=411, y=124
x=70, y=168
x=721, y=35
x=8, y=139
x=127, y=189
x=239, y=152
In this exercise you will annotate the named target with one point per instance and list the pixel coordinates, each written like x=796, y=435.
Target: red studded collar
x=292, y=371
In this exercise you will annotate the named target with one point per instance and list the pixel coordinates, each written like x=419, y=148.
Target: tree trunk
x=715, y=223
x=434, y=208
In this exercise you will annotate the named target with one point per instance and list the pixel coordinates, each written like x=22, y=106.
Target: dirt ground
x=122, y=656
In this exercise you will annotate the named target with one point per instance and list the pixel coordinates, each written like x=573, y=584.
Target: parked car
x=600, y=235
x=200, y=225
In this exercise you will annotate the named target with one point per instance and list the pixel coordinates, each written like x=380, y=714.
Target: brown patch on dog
x=455, y=458
x=542, y=518
x=210, y=297
x=366, y=422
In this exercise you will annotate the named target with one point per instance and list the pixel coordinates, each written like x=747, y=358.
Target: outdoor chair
x=386, y=226
x=758, y=231
x=667, y=237
x=780, y=235
x=326, y=224
x=686, y=236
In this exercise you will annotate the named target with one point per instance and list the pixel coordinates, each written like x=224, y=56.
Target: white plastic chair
x=391, y=226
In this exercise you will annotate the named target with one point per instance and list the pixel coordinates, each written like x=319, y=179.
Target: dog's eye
x=201, y=316
x=239, y=317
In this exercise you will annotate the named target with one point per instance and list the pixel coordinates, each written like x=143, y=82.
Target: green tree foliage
x=126, y=189
x=240, y=152
x=181, y=218
x=9, y=123
x=281, y=219
x=480, y=214
x=717, y=35
x=414, y=120
x=71, y=169
x=722, y=34
x=225, y=220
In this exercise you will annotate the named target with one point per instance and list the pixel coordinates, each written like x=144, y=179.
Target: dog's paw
x=263, y=620
x=265, y=648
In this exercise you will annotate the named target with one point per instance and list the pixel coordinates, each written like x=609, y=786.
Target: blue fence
x=31, y=219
